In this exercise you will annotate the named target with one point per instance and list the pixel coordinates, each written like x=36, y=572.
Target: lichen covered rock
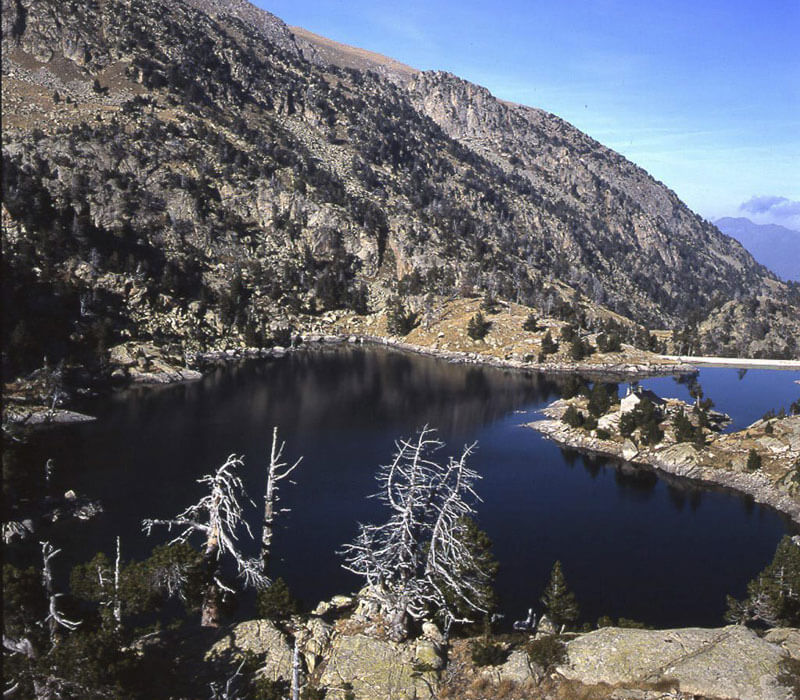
x=731, y=662
x=375, y=669
x=262, y=638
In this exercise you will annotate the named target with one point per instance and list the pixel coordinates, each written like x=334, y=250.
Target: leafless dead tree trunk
x=117, y=605
x=418, y=562
x=277, y=471
x=54, y=618
x=217, y=517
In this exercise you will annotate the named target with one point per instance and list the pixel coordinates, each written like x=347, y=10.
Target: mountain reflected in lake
x=633, y=544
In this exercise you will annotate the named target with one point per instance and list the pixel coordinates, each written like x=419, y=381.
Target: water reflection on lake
x=632, y=544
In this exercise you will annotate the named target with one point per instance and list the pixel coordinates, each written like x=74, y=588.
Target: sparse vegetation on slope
x=191, y=173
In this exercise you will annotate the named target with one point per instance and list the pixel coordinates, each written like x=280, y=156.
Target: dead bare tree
x=230, y=690
x=117, y=604
x=419, y=562
x=45, y=683
x=54, y=618
x=296, y=670
x=218, y=518
x=277, y=472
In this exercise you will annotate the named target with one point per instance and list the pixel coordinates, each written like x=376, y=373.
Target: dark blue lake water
x=632, y=544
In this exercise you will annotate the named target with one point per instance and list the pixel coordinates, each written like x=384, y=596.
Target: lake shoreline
x=736, y=362
x=630, y=370
x=675, y=460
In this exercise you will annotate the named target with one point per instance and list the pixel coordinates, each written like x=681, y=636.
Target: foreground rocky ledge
x=731, y=662
x=624, y=664
x=723, y=461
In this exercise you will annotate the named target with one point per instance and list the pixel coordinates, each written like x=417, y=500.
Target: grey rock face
x=517, y=669
x=262, y=638
x=375, y=669
x=732, y=662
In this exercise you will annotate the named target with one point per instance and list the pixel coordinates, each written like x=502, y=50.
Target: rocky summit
x=193, y=172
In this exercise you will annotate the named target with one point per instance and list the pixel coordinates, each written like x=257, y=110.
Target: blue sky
x=705, y=95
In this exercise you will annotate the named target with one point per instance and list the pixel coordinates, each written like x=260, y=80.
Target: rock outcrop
x=262, y=638
x=375, y=668
x=732, y=662
x=343, y=661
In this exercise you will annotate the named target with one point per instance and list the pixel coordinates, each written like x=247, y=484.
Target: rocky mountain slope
x=193, y=172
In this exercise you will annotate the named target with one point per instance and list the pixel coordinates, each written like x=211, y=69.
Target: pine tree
x=599, y=400
x=577, y=349
x=399, y=321
x=549, y=346
x=773, y=597
x=478, y=327
x=531, y=323
x=559, y=602
x=753, y=461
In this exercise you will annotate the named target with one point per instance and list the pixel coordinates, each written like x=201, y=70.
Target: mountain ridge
x=774, y=246
x=203, y=151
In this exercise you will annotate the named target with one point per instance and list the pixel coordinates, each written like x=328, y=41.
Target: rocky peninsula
x=763, y=460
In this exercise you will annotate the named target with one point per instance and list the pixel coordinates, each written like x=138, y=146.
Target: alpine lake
x=663, y=551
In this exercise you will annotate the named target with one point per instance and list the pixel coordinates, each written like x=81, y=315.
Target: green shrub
x=573, y=385
x=266, y=689
x=282, y=337
x=531, y=323
x=486, y=653
x=489, y=303
x=609, y=342
x=627, y=424
x=753, y=460
x=573, y=417
x=651, y=433
x=603, y=434
x=568, y=333
x=276, y=602
x=478, y=327
x=647, y=418
x=549, y=346
x=627, y=623
x=546, y=652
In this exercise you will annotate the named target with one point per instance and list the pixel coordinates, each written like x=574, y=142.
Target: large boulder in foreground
x=262, y=638
x=729, y=662
x=375, y=668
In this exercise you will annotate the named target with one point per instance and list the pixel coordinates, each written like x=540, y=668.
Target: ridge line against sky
x=704, y=95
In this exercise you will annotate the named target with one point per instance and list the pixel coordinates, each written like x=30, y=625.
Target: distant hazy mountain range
x=776, y=247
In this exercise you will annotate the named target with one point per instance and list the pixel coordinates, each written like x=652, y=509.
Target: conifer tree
x=558, y=600
x=773, y=597
x=599, y=400
x=478, y=327
x=549, y=346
